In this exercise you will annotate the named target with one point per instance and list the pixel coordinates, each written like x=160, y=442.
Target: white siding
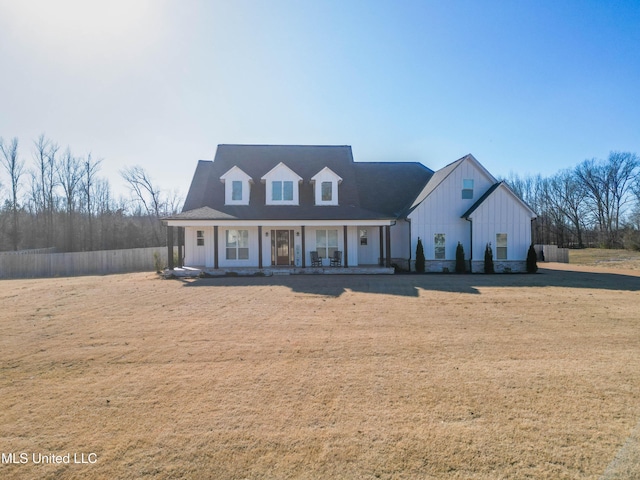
x=369, y=254
x=352, y=243
x=501, y=213
x=400, y=240
x=440, y=212
x=194, y=255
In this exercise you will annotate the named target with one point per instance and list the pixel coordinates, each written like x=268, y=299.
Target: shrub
x=460, y=267
x=157, y=262
x=532, y=259
x=488, y=259
x=420, y=257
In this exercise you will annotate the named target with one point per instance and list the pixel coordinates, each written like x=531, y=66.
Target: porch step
x=280, y=272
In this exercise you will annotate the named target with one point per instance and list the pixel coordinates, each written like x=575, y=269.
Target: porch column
x=170, y=247
x=346, y=248
x=304, y=253
x=215, y=247
x=260, y=246
x=180, y=246
x=388, y=245
x=381, y=262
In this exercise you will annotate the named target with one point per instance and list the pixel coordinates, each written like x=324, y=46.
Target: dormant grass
x=431, y=376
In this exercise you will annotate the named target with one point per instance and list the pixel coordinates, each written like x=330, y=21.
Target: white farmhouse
x=312, y=209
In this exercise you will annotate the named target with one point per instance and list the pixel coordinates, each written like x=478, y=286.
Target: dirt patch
x=407, y=376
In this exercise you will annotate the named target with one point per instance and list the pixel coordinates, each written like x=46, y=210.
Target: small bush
x=460, y=267
x=420, y=257
x=157, y=262
x=532, y=260
x=488, y=259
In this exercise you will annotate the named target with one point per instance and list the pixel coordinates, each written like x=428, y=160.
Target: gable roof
x=488, y=193
x=440, y=175
x=368, y=191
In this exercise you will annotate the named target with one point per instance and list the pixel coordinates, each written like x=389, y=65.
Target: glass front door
x=282, y=247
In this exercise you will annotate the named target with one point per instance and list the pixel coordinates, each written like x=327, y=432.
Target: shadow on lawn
x=409, y=285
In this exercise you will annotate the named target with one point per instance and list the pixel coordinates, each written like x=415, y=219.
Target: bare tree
x=69, y=177
x=15, y=168
x=146, y=195
x=565, y=195
x=609, y=186
x=45, y=179
x=90, y=168
x=622, y=170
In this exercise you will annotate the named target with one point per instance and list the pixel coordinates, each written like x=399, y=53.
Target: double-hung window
x=327, y=191
x=438, y=243
x=236, y=190
x=501, y=246
x=326, y=242
x=467, y=188
x=237, y=244
x=364, y=239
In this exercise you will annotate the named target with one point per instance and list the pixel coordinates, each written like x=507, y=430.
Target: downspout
x=408, y=220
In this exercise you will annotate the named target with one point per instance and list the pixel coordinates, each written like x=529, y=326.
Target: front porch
x=194, y=272
x=271, y=247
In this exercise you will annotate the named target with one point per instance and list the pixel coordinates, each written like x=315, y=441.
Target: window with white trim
x=467, y=188
x=501, y=246
x=438, y=246
x=200, y=238
x=326, y=242
x=327, y=191
x=282, y=191
x=364, y=238
x=236, y=190
x=237, y=187
x=237, y=244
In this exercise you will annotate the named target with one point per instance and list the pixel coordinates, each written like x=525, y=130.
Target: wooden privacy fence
x=29, y=265
x=552, y=253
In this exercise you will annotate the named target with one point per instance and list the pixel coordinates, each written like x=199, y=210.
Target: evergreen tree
x=460, y=267
x=488, y=260
x=420, y=257
x=532, y=260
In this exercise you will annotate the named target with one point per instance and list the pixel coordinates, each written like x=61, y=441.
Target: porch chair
x=316, y=261
x=336, y=260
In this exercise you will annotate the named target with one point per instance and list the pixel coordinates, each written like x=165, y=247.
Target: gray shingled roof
x=368, y=190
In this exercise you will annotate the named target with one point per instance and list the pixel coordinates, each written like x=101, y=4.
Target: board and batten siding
x=501, y=212
x=441, y=212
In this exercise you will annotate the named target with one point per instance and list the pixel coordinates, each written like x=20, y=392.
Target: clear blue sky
x=525, y=86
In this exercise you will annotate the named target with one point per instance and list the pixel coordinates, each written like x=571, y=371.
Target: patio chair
x=316, y=261
x=336, y=260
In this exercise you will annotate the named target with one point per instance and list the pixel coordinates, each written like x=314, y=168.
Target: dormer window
x=236, y=190
x=281, y=191
x=237, y=187
x=326, y=183
x=326, y=191
x=281, y=186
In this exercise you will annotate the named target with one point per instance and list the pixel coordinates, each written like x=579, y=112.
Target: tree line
x=58, y=199
x=595, y=204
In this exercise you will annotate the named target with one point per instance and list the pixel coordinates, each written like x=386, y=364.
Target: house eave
x=279, y=223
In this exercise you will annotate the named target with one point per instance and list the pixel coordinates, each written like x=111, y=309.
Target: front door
x=281, y=247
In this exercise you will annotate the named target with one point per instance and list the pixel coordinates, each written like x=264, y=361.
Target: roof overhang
x=278, y=223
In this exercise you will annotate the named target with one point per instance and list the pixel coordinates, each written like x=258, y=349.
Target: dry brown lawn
x=600, y=257
x=393, y=377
